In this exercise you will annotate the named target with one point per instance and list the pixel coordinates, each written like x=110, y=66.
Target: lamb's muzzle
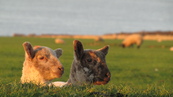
x=61, y=69
x=102, y=81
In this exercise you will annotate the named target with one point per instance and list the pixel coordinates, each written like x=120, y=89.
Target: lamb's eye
x=89, y=60
x=41, y=57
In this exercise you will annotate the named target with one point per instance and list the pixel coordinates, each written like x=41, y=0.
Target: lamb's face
x=95, y=67
x=47, y=63
x=92, y=63
x=44, y=60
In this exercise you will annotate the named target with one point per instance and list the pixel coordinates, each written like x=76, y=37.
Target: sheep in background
x=59, y=41
x=99, y=39
x=89, y=66
x=171, y=48
x=41, y=64
x=131, y=40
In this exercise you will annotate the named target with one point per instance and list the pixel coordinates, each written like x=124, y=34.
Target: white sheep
x=131, y=40
x=41, y=65
x=89, y=66
x=99, y=39
x=59, y=41
x=171, y=48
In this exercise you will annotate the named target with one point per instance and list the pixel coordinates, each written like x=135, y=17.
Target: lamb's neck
x=30, y=74
x=77, y=75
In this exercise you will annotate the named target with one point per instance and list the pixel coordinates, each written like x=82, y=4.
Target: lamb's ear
x=78, y=49
x=58, y=52
x=29, y=52
x=104, y=49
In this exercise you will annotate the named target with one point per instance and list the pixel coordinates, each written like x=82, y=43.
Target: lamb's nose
x=108, y=75
x=61, y=68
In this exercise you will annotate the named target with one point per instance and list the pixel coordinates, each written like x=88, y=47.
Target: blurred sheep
x=171, y=49
x=59, y=41
x=99, y=39
x=131, y=40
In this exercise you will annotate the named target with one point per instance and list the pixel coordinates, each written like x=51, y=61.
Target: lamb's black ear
x=29, y=52
x=104, y=49
x=58, y=52
x=78, y=49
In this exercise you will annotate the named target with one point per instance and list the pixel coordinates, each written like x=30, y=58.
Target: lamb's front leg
x=58, y=84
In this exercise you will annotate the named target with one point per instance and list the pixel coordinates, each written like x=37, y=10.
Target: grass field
x=144, y=72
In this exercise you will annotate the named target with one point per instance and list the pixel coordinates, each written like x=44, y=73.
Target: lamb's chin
x=105, y=81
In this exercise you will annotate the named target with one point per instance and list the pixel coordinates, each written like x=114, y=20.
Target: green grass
x=144, y=72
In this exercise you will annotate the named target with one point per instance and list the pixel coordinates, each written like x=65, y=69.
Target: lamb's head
x=89, y=66
x=41, y=64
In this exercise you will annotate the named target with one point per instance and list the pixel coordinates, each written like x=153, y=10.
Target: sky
x=85, y=17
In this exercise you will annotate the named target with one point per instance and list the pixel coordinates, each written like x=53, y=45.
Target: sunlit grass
x=147, y=71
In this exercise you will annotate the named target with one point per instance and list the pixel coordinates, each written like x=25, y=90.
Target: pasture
x=147, y=71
